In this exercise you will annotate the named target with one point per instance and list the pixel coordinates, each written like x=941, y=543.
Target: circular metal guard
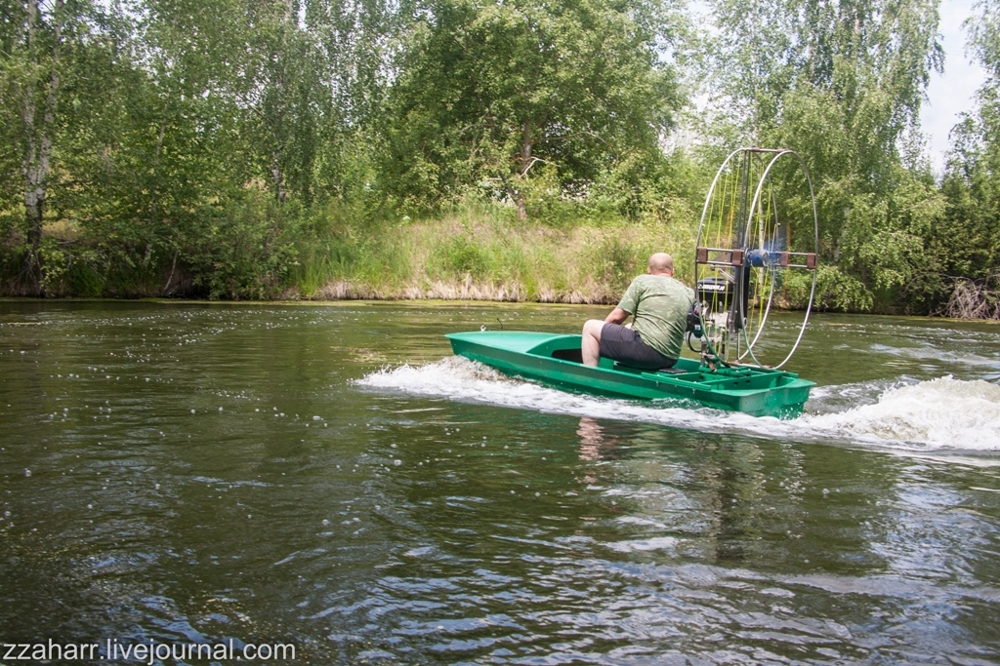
x=756, y=251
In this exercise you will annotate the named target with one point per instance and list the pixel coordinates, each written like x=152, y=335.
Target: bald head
x=660, y=263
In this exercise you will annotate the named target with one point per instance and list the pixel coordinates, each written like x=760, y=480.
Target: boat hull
x=554, y=359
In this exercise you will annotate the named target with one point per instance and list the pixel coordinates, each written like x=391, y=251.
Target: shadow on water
x=319, y=475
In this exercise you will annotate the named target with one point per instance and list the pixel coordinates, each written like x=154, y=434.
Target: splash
x=942, y=414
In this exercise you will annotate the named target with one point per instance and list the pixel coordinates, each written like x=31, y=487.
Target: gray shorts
x=625, y=346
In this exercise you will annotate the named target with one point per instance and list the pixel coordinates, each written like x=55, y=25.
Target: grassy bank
x=259, y=252
x=474, y=256
x=471, y=253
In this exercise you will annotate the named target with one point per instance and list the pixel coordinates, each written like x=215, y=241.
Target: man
x=659, y=305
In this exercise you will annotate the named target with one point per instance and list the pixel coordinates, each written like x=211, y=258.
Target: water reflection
x=593, y=445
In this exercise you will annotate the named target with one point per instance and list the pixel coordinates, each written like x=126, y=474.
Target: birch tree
x=966, y=246
x=33, y=48
x=842, y=82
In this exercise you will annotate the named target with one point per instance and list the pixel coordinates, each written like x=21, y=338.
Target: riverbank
x=472, y=253
x=469, y=255
x=490, y=259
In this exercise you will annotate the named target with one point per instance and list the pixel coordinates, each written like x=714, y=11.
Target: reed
x=473, y=252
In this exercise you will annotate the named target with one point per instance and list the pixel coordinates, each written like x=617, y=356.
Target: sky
x=952, y=93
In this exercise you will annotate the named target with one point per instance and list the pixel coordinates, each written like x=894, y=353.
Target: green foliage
x=795, y=289
x=489, y=250
x=83, y=280
x=843, y=291
x=329, y=250
x=617, y=261
x=489, y=94
x=842, y=84
x=245, y=251
x=54, y=263
x=965, y=245
x=458, y=256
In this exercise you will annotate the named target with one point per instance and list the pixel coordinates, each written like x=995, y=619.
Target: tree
x=491, y=93
x=967, y=242
x=32, y=49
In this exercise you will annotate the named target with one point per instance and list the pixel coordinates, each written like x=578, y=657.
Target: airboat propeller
x=756, y=251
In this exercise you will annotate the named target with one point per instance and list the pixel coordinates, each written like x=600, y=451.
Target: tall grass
x=485, y=254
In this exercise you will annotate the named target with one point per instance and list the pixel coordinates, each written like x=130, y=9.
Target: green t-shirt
x=659, y=305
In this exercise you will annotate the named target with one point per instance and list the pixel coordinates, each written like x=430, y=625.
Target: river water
x=329, y=476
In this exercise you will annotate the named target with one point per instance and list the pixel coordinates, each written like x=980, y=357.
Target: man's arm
x=617, y=316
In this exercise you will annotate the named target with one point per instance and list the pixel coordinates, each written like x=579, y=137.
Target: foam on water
x=941, y=414
x=944, y=413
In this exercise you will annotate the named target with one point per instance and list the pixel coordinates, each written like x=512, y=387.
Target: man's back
x=659, y=305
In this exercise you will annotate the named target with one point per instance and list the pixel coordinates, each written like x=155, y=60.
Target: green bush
x=243, y=250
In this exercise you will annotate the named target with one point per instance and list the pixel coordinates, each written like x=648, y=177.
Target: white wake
x=941, y=414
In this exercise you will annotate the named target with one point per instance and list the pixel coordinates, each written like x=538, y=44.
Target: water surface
x=328, y=475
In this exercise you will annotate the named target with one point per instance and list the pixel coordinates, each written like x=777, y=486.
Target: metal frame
x=737, y=257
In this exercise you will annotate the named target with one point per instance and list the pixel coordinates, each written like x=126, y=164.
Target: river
x=328, y=476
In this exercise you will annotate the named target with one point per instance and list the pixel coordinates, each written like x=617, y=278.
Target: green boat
x=755, y=239
x=555, y=360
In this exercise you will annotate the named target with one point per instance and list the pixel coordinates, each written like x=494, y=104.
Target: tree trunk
x=522, y=207
x=277, y=176
x=35, y=165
